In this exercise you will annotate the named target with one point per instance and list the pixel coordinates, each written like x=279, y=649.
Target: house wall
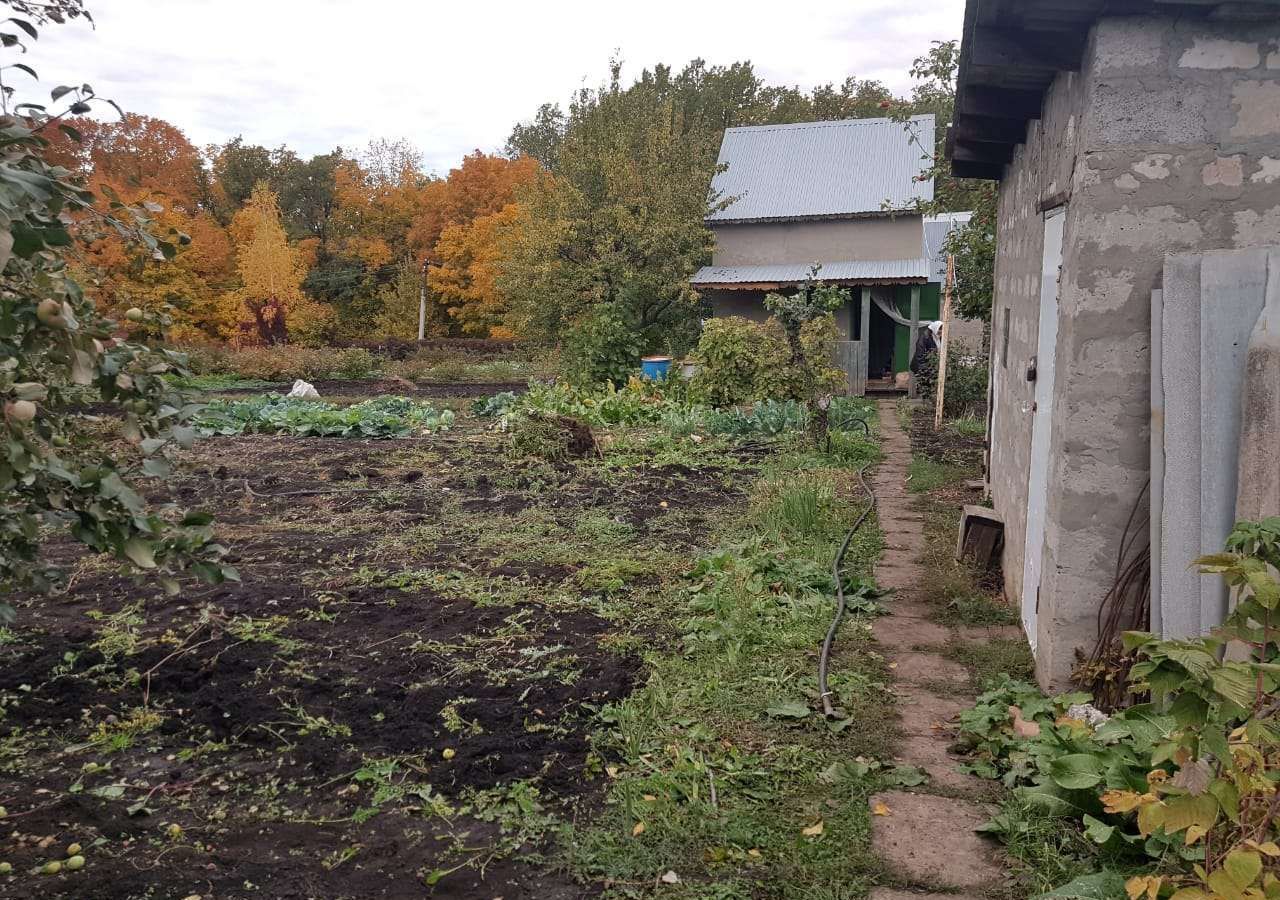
x=1168, y=139
x=750, y=305
x=833, y=240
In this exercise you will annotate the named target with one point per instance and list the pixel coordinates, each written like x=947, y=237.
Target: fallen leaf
x=754, y=853
x=879, y=809
x=670, y=877
x=1021, y=727
x=648, y=798
x=813, y=830
x=638, y=829
x=1194, y=778
x=611, y=771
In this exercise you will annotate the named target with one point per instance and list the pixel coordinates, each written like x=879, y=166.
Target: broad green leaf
x=1097, y=830
x=1098, y=886
x=1234, y=682
x=1076, y=771
x=139, y=553
x=789, y=709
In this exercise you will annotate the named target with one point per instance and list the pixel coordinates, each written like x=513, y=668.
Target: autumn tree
x=138, y=157
x=269, y=304
x=465, y=283
x=481, y=186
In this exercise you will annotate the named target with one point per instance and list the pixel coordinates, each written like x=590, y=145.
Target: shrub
x=734, y=354
x=740, y=360
x=1186, y=780
x=604, y=350
x=966, y=388
x=355, y=362
x=280, y=362
x=206, y=359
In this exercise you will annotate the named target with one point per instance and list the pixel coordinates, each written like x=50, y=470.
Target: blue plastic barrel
x=655, y=367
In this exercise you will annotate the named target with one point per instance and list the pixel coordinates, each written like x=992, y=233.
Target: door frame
x=1042, y=369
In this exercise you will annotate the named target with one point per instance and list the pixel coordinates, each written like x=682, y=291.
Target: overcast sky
x=451, y=77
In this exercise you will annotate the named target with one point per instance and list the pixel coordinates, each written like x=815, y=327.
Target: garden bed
x=398, y=693
x=379, y=387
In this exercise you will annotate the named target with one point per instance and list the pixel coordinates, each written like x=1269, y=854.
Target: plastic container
x=655, y=367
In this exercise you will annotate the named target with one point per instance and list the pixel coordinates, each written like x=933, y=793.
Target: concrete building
x=1125, y=134
x=841, y=194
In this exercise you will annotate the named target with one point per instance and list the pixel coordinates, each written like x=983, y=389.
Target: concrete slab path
x=925, y=836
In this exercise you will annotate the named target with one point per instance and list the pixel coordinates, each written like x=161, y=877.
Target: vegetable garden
x=422, y=680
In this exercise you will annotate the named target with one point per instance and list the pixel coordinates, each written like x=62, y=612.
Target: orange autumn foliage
x=140, y=157
x=465, y=282
x=483, y=185
x=373, y=214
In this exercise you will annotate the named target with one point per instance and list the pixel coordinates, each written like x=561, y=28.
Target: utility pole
x=422, y=305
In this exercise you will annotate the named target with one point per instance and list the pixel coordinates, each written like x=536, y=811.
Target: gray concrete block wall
x=1170, y=142
x=1041, y=170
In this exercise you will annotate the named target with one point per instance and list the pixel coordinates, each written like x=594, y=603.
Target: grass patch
x=925, y=475
x=720, y=766
x=988, y=660
x=967, y=427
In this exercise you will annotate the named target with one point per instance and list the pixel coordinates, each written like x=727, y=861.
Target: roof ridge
x=826, y=123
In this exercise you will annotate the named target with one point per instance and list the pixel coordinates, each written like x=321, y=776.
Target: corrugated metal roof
x=871, y=271
x=822, y=169
x=936, y=229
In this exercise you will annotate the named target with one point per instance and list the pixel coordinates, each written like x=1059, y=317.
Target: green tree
x=57, y=470
x=539, y=138
x=973, y=244
x=399, y=299
x=618, y=226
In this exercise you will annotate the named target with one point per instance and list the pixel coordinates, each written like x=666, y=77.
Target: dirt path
x=926, y=835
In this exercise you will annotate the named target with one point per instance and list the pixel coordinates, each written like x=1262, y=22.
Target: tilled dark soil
x=391, y=678
x=943, y=445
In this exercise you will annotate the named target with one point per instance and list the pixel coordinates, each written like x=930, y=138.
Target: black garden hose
x=824, y=658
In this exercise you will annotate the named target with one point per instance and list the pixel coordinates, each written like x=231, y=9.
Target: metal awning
x=851, y=272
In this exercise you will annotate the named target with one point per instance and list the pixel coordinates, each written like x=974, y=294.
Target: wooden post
x=945, y=341
x=865, y=326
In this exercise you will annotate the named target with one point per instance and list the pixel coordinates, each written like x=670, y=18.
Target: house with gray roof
x=844, y=195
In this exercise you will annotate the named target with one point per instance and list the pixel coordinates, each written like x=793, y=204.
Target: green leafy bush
x=740, y=360
x=382, y=417
x=966, y=388
x=603, y=350
x=1188, y=778
x=355, y=362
